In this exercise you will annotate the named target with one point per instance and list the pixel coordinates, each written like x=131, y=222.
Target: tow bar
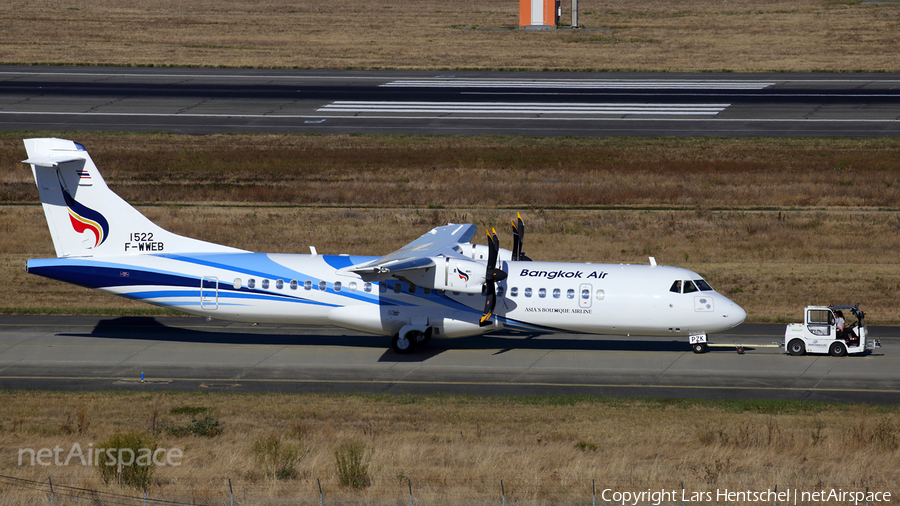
x=740, y=346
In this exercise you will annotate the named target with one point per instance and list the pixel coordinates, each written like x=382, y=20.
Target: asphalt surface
x=194, y=354
x=202, y=101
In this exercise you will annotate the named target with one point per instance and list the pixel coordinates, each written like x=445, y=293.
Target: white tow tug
x=819, y=334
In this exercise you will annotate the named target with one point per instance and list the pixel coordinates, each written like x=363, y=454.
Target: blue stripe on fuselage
x=98, y=274
x=101, y=275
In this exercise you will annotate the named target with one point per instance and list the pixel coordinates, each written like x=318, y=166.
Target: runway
x=193, y=354
x=203, y=101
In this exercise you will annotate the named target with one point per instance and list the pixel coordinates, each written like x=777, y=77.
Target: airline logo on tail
x=84, y=218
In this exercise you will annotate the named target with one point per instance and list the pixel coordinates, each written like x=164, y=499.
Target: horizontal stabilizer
x=52, y=161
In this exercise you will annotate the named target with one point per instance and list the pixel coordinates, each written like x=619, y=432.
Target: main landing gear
x=406, y=341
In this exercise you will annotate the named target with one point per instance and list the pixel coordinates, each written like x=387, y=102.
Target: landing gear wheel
x=699, y=347
x=837, y=350
x=402, y=344
x=796, y=348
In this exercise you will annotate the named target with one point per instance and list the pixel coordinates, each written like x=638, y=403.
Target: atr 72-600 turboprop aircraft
x=439, y=285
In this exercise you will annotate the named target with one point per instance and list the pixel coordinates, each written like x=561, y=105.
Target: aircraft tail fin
x=85, y=217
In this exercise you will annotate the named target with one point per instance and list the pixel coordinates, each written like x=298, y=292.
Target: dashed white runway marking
x=581, y=84
x=530, y=108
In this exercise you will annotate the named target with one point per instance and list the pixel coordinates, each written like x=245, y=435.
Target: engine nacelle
x=481, y=251
x=451, y=274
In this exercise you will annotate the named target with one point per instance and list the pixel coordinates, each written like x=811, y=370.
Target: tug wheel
x=796, y=348
x=837, y=350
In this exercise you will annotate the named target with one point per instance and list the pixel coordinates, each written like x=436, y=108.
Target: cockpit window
x=703, y=285
x=676, y=287
x=689, y=286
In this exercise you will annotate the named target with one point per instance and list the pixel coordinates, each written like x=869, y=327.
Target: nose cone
x=733, y=315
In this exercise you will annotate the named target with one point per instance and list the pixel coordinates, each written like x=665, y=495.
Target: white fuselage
x=317, y=289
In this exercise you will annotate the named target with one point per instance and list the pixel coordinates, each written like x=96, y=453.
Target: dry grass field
x=459, y=448
x=775, y=224
x=693, y=35
x=483, y=172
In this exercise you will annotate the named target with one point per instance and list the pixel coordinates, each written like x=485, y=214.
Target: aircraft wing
x=417, y=255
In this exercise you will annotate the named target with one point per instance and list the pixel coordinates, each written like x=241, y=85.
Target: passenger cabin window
x=499, y=291
x=323, y=286
x=265, y=284
x=237, y=283
x=600, y=294
x=556, y=293
x=307, y=285
x=382, y=288
x=279, y=284
x=251, y=283
x=585, y=294
x=514, y=291
x=542, y=293
x=352, y=286
x=426, y=291
x=412, y=288
x=528, y=292
x=367, y=287
x=570, y=293
x=337, y=286
x=398, y=287
x=294, y=284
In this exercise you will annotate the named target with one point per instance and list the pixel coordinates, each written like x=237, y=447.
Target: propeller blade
x=493, y=249
x=517, y=243
x=490, y=301
x=521, y=229
x=491, y=276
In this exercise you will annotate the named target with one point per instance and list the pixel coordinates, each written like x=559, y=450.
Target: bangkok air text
x=562, y=274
